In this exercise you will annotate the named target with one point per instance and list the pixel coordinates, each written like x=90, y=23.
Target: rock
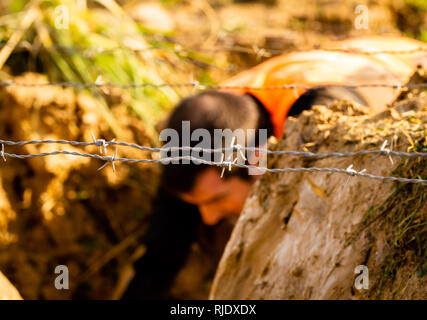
x=61, y=210
x=7, y=290
x=301, y=235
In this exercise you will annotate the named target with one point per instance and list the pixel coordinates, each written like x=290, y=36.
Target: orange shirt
x=320, y=67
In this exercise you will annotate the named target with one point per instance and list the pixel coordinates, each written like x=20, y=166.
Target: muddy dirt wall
x=301, y=235
x=60, y=210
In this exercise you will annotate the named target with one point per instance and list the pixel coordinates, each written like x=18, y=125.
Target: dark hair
x=324, y=96
x=212, y=110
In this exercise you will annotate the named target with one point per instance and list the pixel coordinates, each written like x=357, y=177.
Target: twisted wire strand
x=228, y=164
x=197, y=85
x=102, y=142
x=177, y=48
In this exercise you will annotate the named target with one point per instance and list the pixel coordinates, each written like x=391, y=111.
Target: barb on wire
x=2, y=153
x=109, y=159
x=352, y=172
x=230, y=160
x=387, y=151
x=101, y=143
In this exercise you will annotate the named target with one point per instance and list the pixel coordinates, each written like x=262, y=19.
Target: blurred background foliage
x=97, y=42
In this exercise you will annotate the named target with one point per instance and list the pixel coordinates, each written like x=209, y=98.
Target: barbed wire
x=198, y=85
x=195, y=84
x=224, y=164
x=257, y=50
x=92, y=51
x=105, y=143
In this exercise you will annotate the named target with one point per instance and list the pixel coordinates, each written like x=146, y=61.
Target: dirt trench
x=301, y=235
x=60, y=210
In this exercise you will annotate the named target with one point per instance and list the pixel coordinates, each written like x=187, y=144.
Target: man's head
x=200, y=184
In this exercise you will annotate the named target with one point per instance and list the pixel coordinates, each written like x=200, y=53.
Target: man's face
x=217, y=198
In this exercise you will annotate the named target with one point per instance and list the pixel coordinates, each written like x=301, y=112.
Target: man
x=260, y=105
x=254, y=108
